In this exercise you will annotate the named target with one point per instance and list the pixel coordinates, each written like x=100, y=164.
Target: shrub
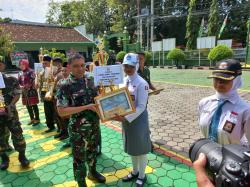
x=120, y=56
x=148, y=57
x=220, y=52
x=177, y=55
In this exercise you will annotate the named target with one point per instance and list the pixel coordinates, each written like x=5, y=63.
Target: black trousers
x=49, y=110
x=33, y=112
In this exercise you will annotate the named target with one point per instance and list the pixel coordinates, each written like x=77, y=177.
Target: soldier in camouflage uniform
x=75, y=97
x=143, y=70
x=10, y=94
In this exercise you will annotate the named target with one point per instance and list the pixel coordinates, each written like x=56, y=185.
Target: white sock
x=135, y=164
x=142, y=160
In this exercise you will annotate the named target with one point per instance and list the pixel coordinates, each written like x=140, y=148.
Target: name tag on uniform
x=230, y=122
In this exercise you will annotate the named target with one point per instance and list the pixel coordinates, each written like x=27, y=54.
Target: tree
x=91, y=13
x=6, y=45
x=120, y=56
x=236, y=27
x=220, y=52
x=122, y=14
x=54, y=53
x=213, y=23
x=5, y=20
x=192, y=26
x=53, y=13
x=177, y=55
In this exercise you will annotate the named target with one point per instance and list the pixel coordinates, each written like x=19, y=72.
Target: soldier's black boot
x=82, y=184
x=23, y=160
x=5, y=162
x=95, y=176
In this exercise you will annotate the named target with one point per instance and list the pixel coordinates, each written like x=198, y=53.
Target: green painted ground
x=189, y=76
x=53, y=167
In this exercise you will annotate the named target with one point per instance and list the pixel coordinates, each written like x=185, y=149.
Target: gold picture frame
x=115, y=102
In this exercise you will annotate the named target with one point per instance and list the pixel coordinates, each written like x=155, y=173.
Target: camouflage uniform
x=145, y=74
x=11, y=119
x=83, y=126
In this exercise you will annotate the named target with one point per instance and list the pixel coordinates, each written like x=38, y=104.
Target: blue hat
x=130, y=59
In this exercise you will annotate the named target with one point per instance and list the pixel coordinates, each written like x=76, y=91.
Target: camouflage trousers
x=84, y=147
x=11, y=124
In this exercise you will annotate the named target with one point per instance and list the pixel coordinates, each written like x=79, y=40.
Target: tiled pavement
x=173, y=115
x=51, y=166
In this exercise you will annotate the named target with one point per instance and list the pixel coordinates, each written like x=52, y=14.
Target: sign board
x=228, y=43
x=157, y=46
x=17, y=56
x=38, y=67
x=168, y=44
x=206, y=42
x=104, y=74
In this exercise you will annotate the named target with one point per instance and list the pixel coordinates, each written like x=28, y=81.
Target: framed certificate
x=116, y=102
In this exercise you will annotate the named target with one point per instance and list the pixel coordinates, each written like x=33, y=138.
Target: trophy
x=2, y=104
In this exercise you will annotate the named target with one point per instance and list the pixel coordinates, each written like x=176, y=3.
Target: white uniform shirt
x=138, y=89
x=234, y=125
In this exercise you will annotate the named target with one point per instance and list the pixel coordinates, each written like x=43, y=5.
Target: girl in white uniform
x=225, y=117
x=135, y=127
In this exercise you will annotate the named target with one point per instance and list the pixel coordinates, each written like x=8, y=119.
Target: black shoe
x=140, y=182
x=9, y=148
x=23, y=160
x=99, y=153
x=130, y=177
x=64, y=136
x=50, y=130
x=31, y=122
x=82, y=184
x=95, y=176
x=58, y=135
x=65, y=146
x=36, y=122
x=5, y=162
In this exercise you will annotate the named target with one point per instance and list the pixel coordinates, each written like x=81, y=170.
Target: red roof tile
x=39, y=33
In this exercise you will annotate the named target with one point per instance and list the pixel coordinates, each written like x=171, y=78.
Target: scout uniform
x=226, y=119
x=135, y=129
x=83, y=126
x=9, y=118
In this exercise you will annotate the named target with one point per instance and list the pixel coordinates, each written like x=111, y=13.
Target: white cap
x=131, y=59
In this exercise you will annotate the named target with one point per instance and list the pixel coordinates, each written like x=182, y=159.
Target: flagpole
x=223, y=26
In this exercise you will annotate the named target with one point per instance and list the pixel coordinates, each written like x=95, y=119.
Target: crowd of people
x=68, y=93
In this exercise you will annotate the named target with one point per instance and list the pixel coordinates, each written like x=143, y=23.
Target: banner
x=17, y=56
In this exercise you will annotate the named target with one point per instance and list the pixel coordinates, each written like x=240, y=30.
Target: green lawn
x=190, y=76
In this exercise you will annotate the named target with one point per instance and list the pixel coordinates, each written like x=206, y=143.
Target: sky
x=27, y=10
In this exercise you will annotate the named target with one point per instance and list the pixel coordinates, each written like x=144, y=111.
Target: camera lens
x=212, y=150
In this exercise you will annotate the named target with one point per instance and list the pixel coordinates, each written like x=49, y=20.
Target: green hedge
x=120, y=56
x=220, y=52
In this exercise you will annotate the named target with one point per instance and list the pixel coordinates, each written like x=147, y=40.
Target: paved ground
x=173, y=115
x=173, y=121
x=52, y=166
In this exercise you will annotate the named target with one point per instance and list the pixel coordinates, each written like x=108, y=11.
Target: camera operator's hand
x=201, y=175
